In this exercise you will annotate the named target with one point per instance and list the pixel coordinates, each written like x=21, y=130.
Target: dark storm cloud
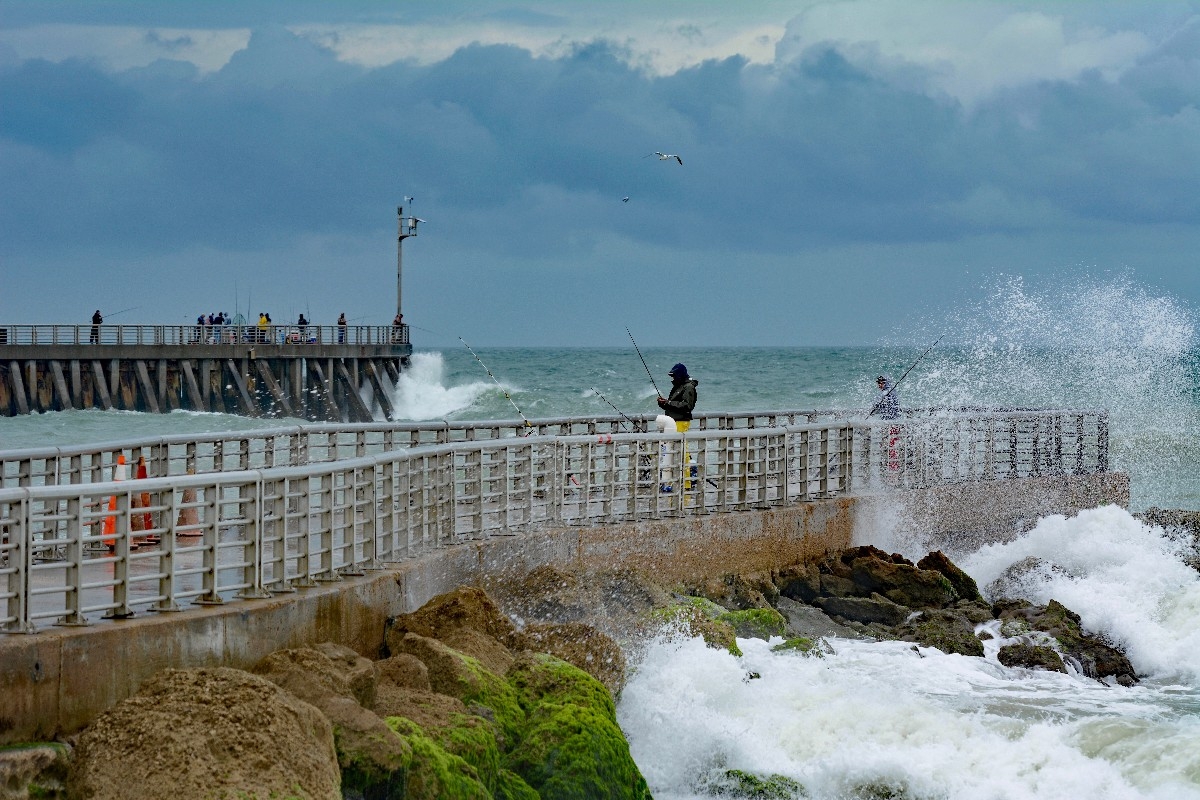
x=529, y=155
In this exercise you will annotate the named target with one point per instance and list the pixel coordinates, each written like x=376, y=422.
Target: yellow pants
x=681, y=426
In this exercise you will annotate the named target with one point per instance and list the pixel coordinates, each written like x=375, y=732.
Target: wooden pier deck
x=319, y=372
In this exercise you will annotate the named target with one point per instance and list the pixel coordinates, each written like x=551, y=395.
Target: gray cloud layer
x=831, y=159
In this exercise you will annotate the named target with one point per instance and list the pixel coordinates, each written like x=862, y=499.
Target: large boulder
x=1095, y=657
x=949, y=630
x=371, y=756
x=876, y=608
x=572, y=746
x=1031, y=656
x=466, y=619
x=593, y=652
x=964, y=585
x=208, y=733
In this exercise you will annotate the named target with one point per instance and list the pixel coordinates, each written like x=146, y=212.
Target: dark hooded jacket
x=888, y=404
x=679, y=404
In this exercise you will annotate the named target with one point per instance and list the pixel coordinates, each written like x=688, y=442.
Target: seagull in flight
x=668, y=157
x=624, y=199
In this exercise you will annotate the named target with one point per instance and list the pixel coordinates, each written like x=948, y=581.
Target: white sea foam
x=924, y=725
x=1125, y=580
x=421, y=393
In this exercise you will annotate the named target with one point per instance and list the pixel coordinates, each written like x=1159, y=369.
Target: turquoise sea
x=875, y=720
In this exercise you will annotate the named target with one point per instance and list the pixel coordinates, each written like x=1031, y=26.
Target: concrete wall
x=54, y=682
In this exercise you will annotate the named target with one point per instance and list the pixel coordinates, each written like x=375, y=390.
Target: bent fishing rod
x=528, y=424
x=896, y=385
x=639, y=352
x=122, y=311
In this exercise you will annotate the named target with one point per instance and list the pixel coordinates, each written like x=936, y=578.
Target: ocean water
x=876, y=720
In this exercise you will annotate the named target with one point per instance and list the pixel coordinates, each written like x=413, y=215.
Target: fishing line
x=896, y=385
x=614, y=408
x=123, y=310
x=639, y=352
x=507, y=396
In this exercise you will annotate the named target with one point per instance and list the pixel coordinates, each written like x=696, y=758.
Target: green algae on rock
x=435, y=773
x=755, y=623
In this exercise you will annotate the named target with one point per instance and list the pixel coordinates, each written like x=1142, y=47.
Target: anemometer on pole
x=406, y=227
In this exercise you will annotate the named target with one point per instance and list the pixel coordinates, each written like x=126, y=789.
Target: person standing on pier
x=97, y=321
x=888, y=404
x=397, y=326
x=682, y=398
x=341, y=325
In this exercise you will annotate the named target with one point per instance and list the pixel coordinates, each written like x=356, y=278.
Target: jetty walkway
x=246, y=515
x=316, y=372
x=237, y=545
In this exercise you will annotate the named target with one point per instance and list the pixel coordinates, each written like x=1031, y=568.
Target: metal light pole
x=406, y=227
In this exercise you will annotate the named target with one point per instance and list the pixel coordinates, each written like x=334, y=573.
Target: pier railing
x=126, y=335
x=320, y=503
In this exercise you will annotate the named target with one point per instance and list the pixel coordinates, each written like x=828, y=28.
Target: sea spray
x=1125, y=579
x=877, y=719
x=421, y=395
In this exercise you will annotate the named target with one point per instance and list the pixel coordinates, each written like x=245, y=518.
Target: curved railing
x=319, y=506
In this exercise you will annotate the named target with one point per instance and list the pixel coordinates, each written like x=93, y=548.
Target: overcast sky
x=852, y=170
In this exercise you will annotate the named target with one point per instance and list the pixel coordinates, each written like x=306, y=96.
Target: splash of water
x=1124, y=578
x=421, y=392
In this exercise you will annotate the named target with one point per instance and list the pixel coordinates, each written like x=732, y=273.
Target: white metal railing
x=75, y=552
x=126, y=335
x=314, y=443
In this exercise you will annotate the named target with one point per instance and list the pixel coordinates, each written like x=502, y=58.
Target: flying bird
x=668, y=157
x=624, y=199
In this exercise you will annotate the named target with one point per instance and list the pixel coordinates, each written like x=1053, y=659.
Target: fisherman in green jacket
x=682, y=400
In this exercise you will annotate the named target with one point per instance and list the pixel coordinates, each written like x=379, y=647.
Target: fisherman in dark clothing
x=97, y=321
x=682, y=400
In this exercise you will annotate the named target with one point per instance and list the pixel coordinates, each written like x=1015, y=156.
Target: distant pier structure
x=317, y=372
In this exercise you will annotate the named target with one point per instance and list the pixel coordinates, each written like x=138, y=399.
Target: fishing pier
x=322, y=373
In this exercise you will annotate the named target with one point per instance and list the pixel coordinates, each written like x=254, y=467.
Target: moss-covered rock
x=742, y=785
x=944, y=629
x=434, y=773
x=36, y=770
x=473, y=739
x=466, y=619
x=572, y=745
x=805, y=646
x=691, y=621
x=582, y=645
x=511, y=787
x=964, y=585
x=755, y=623
x=1031, y=656
x=458, y=675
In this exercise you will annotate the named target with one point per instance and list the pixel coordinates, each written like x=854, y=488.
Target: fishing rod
x=528, y=424
x=614, y=408
x=122, y=311
x=639, y=352
x=896, y=385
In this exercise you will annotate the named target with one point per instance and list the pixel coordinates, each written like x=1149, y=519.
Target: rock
x=863, y=571
x=207, y=733
x=741, y=785
x=459, y=675
x=814, y=648
x=359, y=672
x=864, y=609
x=435, y=774
x=36, y=770
x=755, y=623
x=1096, y=658
x=402, y=670
x=466, y=619
x=945, y=629
x=800, y=582
x=1031, y=656
x=573, y=747
x=369, y=753
x=689, y=620
x=593, y=652
x=964, y=585
x=812, y=622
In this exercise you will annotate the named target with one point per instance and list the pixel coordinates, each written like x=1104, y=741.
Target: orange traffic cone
x=110, y=522
x=188, y=522
x=142, y=522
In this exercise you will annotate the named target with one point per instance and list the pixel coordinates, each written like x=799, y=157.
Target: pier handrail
x=71, y=552
x=179, y=454
x=194, y=334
